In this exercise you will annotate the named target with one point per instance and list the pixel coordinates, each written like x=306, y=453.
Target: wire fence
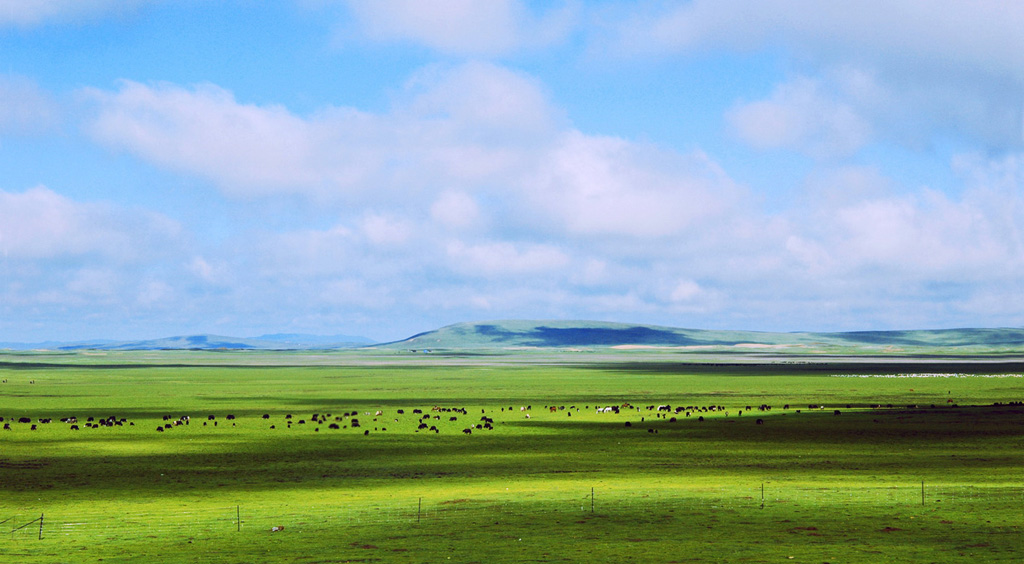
x=25, y=524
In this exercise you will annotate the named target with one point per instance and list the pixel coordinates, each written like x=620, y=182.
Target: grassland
x=568, y=485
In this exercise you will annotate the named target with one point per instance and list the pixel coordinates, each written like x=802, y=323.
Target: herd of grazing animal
x=439, y=419
x=72, y=422
x=349, y=419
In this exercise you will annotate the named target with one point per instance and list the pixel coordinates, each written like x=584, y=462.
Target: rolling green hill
x=601, y=335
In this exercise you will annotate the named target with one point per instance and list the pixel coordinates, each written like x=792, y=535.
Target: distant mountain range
x=279, y=341
x=587, y=334
x=521, y=334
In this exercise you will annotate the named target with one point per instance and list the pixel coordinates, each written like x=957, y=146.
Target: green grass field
x=873, y=484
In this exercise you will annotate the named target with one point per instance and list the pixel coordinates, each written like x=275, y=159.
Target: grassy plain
x=570, y=485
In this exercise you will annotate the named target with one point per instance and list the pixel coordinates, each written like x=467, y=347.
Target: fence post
x=238, y=517
x=41, y=526
x=922, y=492
x=591, y=500
x=419, y=510
x=762, y=495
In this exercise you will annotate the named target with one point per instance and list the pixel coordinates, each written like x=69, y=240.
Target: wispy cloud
x=25, y=108
x=463, y=27
x=27, y=13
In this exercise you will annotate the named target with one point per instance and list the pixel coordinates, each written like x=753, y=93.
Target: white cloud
x=382, y=230
x=608, y=186
x=245, y=148
x=456, y=210
x=156, y=293
x=923, y=235
x=216, y=273
x=250, y=150
x=41, y=224
x=474, y=129
x=482, y=99
x=475, y=195
x=501, y=258
x=685, y=291
x=800, y=116
x=462, y=27
x=61, y=259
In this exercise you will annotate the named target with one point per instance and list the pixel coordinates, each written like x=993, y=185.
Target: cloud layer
x=868, y=175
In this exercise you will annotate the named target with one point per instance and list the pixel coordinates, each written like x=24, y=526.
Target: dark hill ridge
x=574, y=334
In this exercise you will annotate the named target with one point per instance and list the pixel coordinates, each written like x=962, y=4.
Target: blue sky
x=386, y=167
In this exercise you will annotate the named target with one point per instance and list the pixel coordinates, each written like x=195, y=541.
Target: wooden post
x=922, y=492
x=238, y=516
x=419, y=510
x=41, y=526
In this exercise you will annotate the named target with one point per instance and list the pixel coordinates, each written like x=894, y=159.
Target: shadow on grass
x=817, y=367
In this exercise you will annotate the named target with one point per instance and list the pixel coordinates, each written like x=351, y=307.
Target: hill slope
x=588, y=334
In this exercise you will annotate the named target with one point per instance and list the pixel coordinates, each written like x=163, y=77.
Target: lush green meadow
x=895, y=484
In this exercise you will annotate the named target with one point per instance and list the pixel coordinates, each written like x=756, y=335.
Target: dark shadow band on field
x=816, y=367
x=939, y=426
